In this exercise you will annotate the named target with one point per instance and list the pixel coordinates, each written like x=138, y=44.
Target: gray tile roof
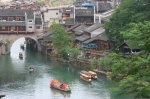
x=74, y=26
x=84, y=11
x=102, y=7
x=18, y=12
x=69, y=21
x=8, y=12
x=82, y=38
x=73, y=37
x=8, y=23
x=93, y=27
x=80, y=32
x=30, y=14
x=81, y=27
x=46, y=36
x=102, y=37
x=38, y=21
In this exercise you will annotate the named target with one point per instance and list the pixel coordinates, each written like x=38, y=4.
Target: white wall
x=51, y=15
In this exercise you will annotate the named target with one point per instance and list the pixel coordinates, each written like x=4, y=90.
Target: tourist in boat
x=61, y=86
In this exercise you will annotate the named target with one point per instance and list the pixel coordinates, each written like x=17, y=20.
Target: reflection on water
x=17, y=83
x=59, y=92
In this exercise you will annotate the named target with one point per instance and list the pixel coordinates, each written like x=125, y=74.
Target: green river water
x=17, y=83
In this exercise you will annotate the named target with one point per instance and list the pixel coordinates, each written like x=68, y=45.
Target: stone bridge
x=7, y=41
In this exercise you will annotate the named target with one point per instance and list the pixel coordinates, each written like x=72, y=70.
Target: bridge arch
x=9, y=39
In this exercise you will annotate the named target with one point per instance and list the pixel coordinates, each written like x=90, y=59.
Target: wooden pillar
x=17, y=29
x=8, y=29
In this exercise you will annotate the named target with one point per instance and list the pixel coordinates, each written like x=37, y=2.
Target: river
x=17, y=83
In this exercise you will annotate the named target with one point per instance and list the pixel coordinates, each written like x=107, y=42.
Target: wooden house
x=126, y=48
x=88, y=31
x=84, y=15
x=46, y=42
x=17, y=21
x=67, y=17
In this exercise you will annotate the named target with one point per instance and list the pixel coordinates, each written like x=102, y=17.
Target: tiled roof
x=74, y=26
x=69, y=21
x=30, y=14
x=102, y=37
x=93, y=27
x=80, y=32
x=82, y=38
x=81, y=27
x=8, y=23
x=10, y=12
x=38, y=21
x=73, y=37
x=102, y=7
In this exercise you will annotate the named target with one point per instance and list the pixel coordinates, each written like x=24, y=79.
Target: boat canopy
x=91, y=72
x=54, y=81
x=84, y=75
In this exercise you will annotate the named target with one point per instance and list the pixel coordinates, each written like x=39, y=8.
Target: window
x=30, y=27
x=12, y=28
x=3, y=28
x=30, y=20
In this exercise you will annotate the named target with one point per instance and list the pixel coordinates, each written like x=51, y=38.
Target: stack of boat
x=87, y=75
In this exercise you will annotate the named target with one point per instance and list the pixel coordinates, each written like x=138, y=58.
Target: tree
x=139, y=35
x=62, y=42
x=94, y=63
x=132, y=73
x=129, y=11
x=61, y=38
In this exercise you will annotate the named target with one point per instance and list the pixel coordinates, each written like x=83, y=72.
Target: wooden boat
x=61, y=86
x=1, y=96
x=20, y=55
x=93, y=74
x=85, y=72
x=31, y=69
x=85, y=77
x=22, y=46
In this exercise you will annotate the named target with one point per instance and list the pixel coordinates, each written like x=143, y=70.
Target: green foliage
x=61, y=38
x=138, y=35
x=133, y=73
x=62, y=42
x=130, y=21
x=107, y=61
x=73, y=52
x=129, y=11
x=42, y=3
x=94, y=63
